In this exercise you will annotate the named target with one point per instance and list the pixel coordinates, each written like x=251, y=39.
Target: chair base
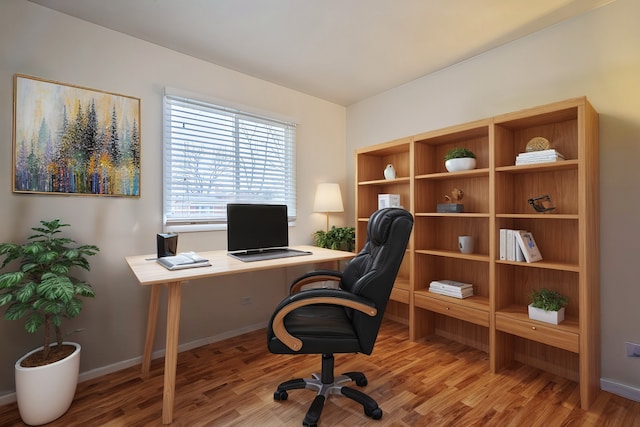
x=324, y=384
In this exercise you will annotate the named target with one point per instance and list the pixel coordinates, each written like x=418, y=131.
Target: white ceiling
x=339, y=50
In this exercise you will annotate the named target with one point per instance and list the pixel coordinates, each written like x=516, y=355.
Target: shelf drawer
x=400, y=295
x=537, y=332
x=453, y=309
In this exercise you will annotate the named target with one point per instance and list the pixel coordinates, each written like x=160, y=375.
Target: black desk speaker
x=167, y=244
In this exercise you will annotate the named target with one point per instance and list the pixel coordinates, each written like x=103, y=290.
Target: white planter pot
x=44, y=393
x=460, y=164
x=554, y=317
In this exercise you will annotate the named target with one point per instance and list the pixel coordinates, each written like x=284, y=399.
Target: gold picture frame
x=73, y=140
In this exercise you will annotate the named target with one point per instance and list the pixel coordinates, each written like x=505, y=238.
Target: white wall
x=39, y=42
x=596, y=54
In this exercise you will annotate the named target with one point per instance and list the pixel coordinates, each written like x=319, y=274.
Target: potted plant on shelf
x=340, y=238
x=547, y=306
x=459, y=159
x=42, y=291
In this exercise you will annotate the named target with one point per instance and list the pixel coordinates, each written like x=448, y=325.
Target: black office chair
x=345, y=319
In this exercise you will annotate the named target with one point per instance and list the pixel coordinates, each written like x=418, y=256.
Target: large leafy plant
x=42, y=289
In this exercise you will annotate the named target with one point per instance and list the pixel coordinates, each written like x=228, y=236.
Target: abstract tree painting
x=74, y=140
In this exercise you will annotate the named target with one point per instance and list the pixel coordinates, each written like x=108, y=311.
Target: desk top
x=149, y=272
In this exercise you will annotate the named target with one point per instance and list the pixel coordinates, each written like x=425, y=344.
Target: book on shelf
x=509, y=249
x=528, y=245
x=183, y=260
x=451, y=288
x=543, y=156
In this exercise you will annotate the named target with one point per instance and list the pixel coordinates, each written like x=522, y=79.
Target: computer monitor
x=253, y=227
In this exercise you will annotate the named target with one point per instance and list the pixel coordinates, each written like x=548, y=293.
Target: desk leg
x=152, y=322
x=171, y=355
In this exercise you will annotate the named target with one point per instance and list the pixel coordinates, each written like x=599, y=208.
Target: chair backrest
x=373, y=271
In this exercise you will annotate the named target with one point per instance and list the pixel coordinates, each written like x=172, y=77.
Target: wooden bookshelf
x=496, y=196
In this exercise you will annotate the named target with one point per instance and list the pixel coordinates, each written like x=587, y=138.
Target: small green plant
x=42, y=289
x=458, y=153
x=340, y=238
x=548, y=300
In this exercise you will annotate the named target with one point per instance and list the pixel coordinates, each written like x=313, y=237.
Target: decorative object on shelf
x=74, y=140
x=459, y=159
x=451, y=288
x=541, y=204
x=544, y=156
x=538, y=143
x=43, y=291
x=547, y=306
x=389, y=172
x=388, y=201
x=465, y=244
x=339, y=238
x=328, y=199
x=453, y=204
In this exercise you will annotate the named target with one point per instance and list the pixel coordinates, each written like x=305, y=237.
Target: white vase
x=44, y=393
x=389, y=172
x=460, y=164
x=554, y=317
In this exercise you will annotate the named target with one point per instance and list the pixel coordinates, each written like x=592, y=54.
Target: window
x=215, y=155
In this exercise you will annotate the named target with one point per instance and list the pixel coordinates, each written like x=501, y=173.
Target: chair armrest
x=314, y=276
x=312, y=297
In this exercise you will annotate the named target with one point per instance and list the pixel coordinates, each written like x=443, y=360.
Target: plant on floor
x=42, y=289
x=340, y=238
x=548, y=300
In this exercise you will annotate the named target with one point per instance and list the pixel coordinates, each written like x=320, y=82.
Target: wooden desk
x=149, y=272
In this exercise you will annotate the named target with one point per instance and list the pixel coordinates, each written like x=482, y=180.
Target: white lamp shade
x=328, y=198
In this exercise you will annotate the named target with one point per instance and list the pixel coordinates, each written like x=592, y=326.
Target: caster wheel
x=280, y=395
x=375, y=414
x=361, y=382
x=309, y=425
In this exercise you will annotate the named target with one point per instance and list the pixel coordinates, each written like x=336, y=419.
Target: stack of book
x=183, y=260
x=451, y=288
x=542, y=156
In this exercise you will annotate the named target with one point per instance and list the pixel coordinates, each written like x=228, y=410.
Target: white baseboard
x=10, y=397
x=624, y=390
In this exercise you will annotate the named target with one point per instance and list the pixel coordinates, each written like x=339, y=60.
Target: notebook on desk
x=257, y=232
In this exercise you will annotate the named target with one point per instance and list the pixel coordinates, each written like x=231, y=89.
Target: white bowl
x=460, y=164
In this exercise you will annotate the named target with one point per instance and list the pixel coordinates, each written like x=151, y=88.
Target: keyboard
x=265, y=254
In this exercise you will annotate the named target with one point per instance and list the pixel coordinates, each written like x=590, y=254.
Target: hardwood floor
x=432, y=382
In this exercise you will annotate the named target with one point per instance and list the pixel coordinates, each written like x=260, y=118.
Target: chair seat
x=322, y=329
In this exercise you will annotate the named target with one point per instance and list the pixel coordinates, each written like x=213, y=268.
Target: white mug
x=465, y=244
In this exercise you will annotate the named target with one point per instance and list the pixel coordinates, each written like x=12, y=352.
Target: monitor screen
x=256, y=226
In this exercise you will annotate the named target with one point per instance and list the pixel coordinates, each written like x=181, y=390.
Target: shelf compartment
x=514, y=284
x=515, y=321
x=371, y=161
x=367, y=198
x=428, y=268
x=429, y=192
x=431, y=147
x=514, y=131
x=558, y=238
x=513, y=190
x=440, y=233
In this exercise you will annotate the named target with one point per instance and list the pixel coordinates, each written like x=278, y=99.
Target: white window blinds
x=215, y=155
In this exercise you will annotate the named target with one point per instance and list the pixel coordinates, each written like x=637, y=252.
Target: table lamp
x=328, y=199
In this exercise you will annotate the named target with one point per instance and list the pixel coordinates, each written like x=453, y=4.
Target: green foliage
x=42, y=289
x=548, y=300
x=341, y=238
x=457, y=153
